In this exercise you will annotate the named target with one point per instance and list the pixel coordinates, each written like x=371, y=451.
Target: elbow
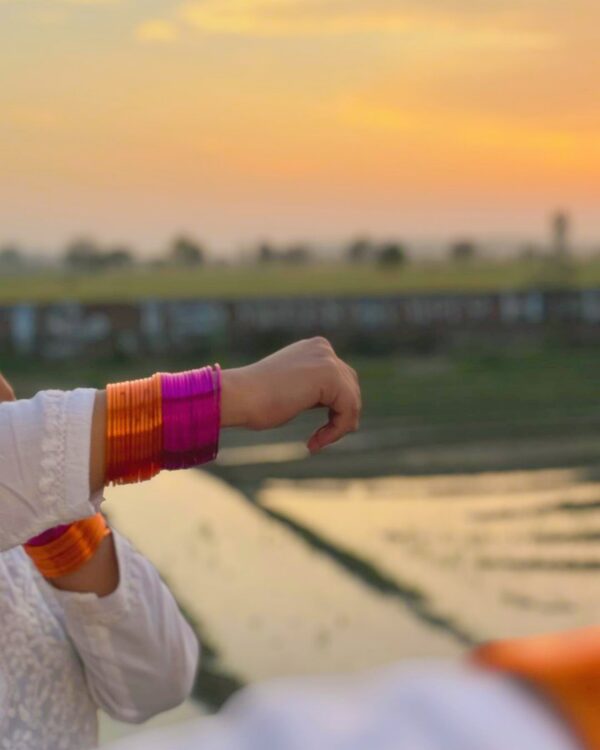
x=167, y=685
x=176, y=684
x=171, y=696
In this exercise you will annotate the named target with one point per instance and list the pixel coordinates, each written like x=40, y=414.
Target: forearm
x=232, y=414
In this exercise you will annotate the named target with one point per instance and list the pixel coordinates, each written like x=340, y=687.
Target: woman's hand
x=304, y=375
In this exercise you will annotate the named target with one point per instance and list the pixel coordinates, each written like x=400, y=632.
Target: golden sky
x=237, y=119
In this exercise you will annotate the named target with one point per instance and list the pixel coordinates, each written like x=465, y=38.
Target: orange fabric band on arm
x=564, y=667
x=72, y=549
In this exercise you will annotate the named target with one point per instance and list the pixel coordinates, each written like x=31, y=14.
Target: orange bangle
x=134, y=430
x=71, y=550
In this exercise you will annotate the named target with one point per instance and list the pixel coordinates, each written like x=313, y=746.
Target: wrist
x=234, y=412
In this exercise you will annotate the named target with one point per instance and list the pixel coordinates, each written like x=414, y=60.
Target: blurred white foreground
x=416, y=707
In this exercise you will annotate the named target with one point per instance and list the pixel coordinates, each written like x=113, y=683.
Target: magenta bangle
x=48, y=536
x=218, y=388
x=191, y=414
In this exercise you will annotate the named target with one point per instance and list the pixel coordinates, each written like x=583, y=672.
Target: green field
x=219, y=281
x=468, y=395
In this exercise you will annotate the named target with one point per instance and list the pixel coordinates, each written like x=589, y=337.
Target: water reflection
x=308, y=576
x=498, y=554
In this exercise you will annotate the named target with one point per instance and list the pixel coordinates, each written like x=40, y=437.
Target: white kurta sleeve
x=44, y=463
x=139, y=654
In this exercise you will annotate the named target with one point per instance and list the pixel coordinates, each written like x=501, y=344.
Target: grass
x=256, y=281
x=549, y=386
x=480, y=386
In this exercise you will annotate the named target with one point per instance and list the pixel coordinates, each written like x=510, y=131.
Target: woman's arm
x=269, y=393
x=139, y=654
x=52, y=464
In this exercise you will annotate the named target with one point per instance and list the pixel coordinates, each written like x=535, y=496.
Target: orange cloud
x=380, y=103
x=156, y=30
x=430, y=20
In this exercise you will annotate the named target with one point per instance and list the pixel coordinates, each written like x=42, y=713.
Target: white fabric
x=44, y=463
x=64, y=654
x=419, y=707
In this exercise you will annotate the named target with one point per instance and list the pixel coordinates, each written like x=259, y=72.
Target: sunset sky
x=319, y=119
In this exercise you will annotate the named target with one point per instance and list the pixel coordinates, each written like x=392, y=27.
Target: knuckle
x=321, y=342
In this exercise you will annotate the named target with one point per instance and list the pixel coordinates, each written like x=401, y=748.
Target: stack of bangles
x=162, y=422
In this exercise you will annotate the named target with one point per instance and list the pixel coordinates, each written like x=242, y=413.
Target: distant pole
x=560, y=234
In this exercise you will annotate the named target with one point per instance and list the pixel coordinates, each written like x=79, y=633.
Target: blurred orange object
x=564, y=667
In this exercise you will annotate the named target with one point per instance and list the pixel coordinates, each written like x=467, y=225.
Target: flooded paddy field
x=494, y=554
x=313, y=575
x=268, y=603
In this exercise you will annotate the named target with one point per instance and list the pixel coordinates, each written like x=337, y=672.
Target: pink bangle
x=50, y=535
x=191, y=417
x=218, y=388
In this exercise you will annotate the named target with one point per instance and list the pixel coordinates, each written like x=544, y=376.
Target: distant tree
x=185, y=251
x=560, y=224
x=157, y=263
x=11, y=258
x=530, y=252
x=391, y=254
x=83, y=255
x=359, y=250
x=266, y=253
x=297, y=254
x=118, y=257
x=463, y=251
